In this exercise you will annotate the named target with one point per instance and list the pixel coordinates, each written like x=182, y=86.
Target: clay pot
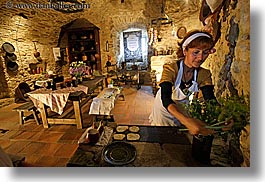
x=93, y=135
x=36, y=54
x=74, y=83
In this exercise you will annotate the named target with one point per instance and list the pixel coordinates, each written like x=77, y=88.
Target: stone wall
x=44, y=25
x=113, y=17
x=20, y=32
x=230, y=65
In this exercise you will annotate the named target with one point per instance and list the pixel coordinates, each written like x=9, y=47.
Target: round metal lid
x=119, y=153
x=8, y=47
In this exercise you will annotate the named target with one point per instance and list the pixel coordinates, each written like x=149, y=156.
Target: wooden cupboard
x=84, y=45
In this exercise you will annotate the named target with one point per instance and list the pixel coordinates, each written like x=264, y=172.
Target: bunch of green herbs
x=218, y=113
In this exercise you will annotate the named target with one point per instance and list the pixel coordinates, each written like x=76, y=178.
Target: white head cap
x=192, y=37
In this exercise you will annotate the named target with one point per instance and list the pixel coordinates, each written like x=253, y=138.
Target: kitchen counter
x=167, y=151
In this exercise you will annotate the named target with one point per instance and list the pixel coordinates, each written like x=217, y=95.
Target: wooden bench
x=27, y=107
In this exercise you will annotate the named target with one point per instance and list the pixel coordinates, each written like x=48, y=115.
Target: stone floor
x=55, y=145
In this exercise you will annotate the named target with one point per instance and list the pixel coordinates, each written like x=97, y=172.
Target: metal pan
x=8, y=47
x=119, y=153
x=12, y=66
x=11, y=57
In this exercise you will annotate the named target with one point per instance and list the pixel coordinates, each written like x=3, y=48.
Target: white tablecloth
x=55, y=99
x=43, y=83
x=104, y=102
x=157, y=63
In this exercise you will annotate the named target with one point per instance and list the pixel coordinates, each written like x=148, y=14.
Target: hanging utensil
x=11, y=57
x=9, y=50
x=36, y=53
x=12, y=66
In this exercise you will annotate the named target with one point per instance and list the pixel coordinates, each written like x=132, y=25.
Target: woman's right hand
x=196, y=126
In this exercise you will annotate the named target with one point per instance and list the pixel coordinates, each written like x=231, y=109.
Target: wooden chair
x=21, y=91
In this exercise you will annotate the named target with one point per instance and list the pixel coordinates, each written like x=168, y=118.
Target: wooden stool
x=28, y=106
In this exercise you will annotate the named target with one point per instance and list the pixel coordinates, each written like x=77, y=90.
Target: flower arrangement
x=77, y=69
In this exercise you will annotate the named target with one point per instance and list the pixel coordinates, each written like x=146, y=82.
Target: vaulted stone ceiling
x=176, y=9
x=179, y=9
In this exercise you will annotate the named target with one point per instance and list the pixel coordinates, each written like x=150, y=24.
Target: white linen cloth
x=104, y=102
x=43, y=83
x=55, y=99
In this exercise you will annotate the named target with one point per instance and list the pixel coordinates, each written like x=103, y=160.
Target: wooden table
x=98, y=81
x=45, y=98
x=104, y=102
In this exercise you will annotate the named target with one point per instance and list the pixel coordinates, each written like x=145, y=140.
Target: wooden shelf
x=81, y=40
x=84, y=43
